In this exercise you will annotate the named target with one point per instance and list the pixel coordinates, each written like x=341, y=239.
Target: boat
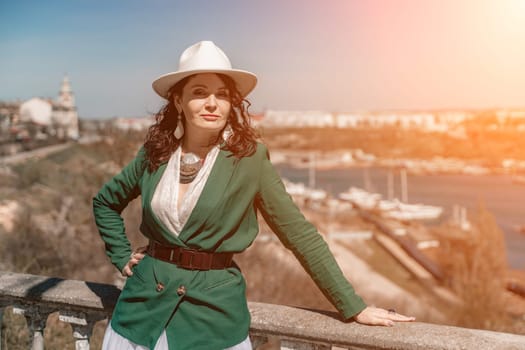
x=390, y=208
x=360, y=198
x=406, y=212
x=299, y=189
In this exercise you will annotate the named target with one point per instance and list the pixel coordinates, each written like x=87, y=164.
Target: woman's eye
x=223, y=94
x=199, y=92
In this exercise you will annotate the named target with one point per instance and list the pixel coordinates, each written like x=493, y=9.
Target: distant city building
x=9, y=112
x=57, y=118
x=36, y=110
x=297, y=119
x=510, y=114
x=134, y=124
x=435, y=121
x=65, y=116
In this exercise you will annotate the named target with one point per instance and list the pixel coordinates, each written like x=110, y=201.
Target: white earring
x=227, y=132
x=179, y=130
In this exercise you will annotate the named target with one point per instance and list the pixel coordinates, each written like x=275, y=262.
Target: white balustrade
x=82, y=304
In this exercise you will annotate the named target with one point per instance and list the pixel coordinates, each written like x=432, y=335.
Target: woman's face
x=205, y=102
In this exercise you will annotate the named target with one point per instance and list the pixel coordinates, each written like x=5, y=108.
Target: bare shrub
x=476, y=264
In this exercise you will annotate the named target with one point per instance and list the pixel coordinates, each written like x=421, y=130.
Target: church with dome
x=41, y=118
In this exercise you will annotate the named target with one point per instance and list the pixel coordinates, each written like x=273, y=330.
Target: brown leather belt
x=190, y=259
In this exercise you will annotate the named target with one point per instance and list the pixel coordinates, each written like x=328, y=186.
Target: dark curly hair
x=160, y=143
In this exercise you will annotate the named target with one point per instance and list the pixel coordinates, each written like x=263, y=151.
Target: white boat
x=361, y=198
x=294, y=188
x=299, y=189
x=390, y=208
x=408, y=212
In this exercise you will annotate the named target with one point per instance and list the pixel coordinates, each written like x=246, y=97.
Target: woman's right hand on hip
x=135, y=258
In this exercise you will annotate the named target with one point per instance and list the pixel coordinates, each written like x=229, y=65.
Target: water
x=503, y=198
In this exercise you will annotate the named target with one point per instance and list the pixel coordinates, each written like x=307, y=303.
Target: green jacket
x=210, y=312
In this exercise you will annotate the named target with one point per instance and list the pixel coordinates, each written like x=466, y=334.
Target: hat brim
x=244, y=80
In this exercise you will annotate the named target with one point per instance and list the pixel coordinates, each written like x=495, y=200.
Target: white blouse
x=166, y=197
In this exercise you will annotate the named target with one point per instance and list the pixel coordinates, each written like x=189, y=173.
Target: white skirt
x=114, y=341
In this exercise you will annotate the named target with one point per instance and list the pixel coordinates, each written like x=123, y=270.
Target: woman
x=202, y=176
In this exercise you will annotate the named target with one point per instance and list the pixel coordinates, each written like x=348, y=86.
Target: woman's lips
x=210, y=117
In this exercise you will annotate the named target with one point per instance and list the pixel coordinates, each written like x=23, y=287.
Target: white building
x=65, y=116
x=134, y=124
x=297, y=119
x=60, y=116
x=428, y=121
x=353, y=120
x=36, y=110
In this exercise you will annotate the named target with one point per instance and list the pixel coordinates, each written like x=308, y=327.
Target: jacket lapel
x=211, y=195
x=148, y=189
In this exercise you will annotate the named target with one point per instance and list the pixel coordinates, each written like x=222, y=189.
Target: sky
x=337, y=55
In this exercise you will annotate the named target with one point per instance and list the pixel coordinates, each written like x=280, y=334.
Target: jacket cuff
x=357, y=306
x=120, y=263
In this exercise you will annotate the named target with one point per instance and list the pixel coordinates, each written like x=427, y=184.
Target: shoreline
x=340, y=160
x=496, y=192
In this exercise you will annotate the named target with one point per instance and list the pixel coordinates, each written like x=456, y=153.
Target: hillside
x=47, y=228
x=489, y=147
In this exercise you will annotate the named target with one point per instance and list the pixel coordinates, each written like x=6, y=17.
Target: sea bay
x=496, y=192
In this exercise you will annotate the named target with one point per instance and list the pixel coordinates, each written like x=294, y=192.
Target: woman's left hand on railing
x=375, y=316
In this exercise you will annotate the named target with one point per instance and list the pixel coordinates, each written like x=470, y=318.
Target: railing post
x=36, y=322
x=1, y=317
x=82, y=325
x=256, y=340
x=267, y=342
x=275, y=342
x=287, y=344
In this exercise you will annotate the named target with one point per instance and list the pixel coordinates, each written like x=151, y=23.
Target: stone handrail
x=83, y=303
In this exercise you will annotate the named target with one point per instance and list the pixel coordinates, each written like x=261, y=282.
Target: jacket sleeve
x=303, y=239
x=109, y=203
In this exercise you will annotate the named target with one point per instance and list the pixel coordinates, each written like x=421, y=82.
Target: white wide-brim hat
x=205, y=57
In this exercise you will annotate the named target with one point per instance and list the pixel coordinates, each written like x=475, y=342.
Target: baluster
x=256, y=340
x=287, y=344
x=82, y=325
x=36, y=322
x=1, y=317
x=266, y=342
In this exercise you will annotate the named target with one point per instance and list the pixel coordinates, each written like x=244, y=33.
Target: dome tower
x=66, y=98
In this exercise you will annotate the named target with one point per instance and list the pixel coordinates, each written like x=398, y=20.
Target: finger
x=401, y=318
x=137, y=257
x=374, y=319
x=126, y=271
x=133, y=261
x=379, y=321
x=391, y=315
x=389, y=323
x=383, y=322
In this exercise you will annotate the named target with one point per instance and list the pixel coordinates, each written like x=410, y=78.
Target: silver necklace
x=190, y=164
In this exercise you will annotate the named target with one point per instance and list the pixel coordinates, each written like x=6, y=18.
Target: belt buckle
x=175, y=255
x=171, y=254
